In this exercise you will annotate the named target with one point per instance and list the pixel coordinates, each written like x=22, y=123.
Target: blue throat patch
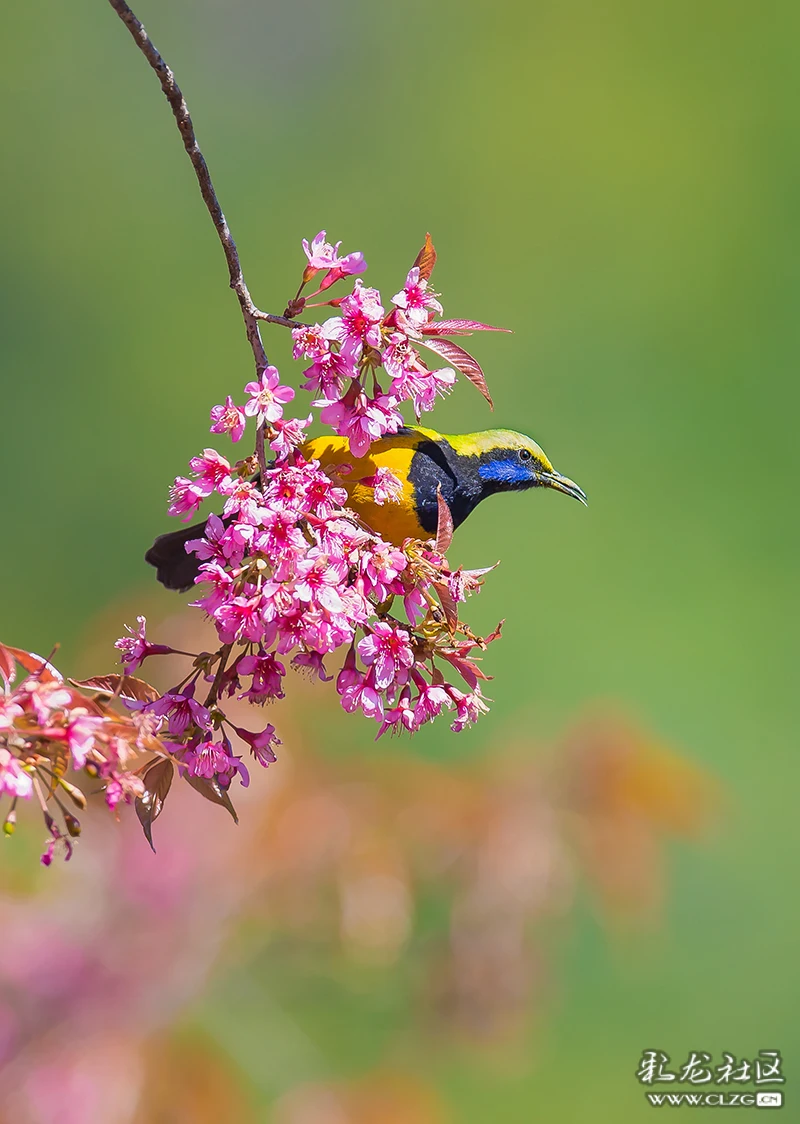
x=510, y=470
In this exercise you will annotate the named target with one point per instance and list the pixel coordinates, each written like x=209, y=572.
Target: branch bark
x=172, y=91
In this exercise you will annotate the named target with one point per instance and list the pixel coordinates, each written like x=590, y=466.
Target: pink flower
x=221, y=587
x=345, y=267
x=322, y=255
x=349, y=674
x=267, y=396
x=213, y=761
x=185, y=496
x=362, y=694
x=229, y=418
x=363, y=420
x=280, y=538
x=261, y=744
x=402, y=714
x=267, y=673
x=469, y=707
x=360, y=322
x=244, y=501
x=287, y=487
x=45, y=699
x=183, y=710
x=135, y=649
x=380, y=569
x=212, y=472
x=9, y=713
x=389, y=650
x=221, y=543
x=463, y=582
x=123, y=786
x=309, y=342
x=13, y=781
x=416, y=605
x=318, y=577
x=399, y=357
x=415, y=300
x=328, y=374
x=387, y=487
x=429, y=703
x=341, y=537
x=413, y=380
x=63, y=842
x=289, y=435
x=323, y=496
x=240, y=619
x=81, y=733
x=313, y=664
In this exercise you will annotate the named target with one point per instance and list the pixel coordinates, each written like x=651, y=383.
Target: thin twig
x=172, y=92
x=270, y=318
x=213, y=694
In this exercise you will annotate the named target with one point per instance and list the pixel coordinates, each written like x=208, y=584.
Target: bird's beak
x=562, y=484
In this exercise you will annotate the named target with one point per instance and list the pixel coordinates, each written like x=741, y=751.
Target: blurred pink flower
x=13, y=781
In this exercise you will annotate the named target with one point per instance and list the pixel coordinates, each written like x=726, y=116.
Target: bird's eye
x=524, y=455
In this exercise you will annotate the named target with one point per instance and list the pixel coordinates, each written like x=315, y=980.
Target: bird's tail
x=174, y=567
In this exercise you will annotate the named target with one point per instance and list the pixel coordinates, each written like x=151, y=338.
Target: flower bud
x=75, y=794
x=73, y=824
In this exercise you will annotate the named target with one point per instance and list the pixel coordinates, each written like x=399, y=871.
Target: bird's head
x=505, y=461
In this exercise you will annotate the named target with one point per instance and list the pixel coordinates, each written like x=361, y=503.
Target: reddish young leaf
x=123, y=686
x=8, y=667
x=463, y=362
x=36, y=665
x=448, y=605
x=457, y=328
x=496, y=634
x=212, y=791
x=157, y=778
x=467, y=669
x=444, y=526
x=426, y=258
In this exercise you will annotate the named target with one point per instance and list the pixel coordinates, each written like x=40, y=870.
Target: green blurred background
x=618, y=183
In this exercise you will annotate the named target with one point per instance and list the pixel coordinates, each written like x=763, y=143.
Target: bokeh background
x=618, y=183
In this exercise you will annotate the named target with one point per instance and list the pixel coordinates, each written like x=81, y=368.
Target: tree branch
x=172, y=91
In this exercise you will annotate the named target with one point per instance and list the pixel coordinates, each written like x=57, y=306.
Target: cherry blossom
x=418, y=304
x=135, y=648
x=229, y=419
x=267, y=396
x=389, y=649
x=13, y=781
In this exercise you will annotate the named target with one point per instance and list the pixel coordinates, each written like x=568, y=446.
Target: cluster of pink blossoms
x=287, y=572
x=49, y=725
x=348, y=350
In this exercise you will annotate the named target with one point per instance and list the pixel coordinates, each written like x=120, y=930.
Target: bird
x=464, y=468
